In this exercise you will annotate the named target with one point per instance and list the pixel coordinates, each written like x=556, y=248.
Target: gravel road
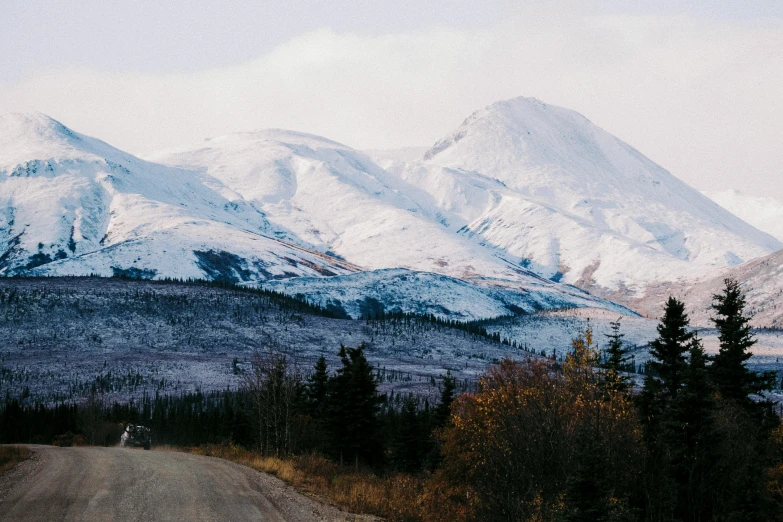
x=106, y=484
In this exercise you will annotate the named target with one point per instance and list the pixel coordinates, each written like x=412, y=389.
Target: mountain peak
x=35, y=125
x=516, y=126
x=34, y=135
x=557, y=161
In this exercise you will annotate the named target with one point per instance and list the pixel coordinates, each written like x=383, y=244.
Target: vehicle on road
x=135, y=436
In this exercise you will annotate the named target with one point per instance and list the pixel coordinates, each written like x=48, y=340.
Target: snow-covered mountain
x=520, y=187
x=73, y=205
x=763, y=213
x=548, y=188
x=523, y=197
x=337, y=200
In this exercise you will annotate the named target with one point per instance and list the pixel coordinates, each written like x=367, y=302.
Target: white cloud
x=702, y=98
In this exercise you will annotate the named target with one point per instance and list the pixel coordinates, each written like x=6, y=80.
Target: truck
x=136, y=436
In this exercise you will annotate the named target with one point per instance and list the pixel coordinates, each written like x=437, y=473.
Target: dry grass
x=10, y=456
x=394, y=497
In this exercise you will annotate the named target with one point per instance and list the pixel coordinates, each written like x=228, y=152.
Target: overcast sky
x=698, y=88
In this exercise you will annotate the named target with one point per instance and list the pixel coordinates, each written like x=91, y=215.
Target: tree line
x=538, y=440
x=277, y=411
x=543, y=440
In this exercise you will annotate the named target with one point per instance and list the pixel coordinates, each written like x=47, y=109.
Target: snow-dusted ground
x=61, y=336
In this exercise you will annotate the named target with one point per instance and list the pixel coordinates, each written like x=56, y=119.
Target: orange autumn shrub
x=519, y=447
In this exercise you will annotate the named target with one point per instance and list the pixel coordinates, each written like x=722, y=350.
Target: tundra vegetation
x=537, y=439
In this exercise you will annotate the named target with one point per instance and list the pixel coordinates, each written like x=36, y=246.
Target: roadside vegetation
x=393, y=495
x=10, y=456
x=538, y=440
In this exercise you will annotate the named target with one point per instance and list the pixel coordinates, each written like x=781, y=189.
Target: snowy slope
x=568, y=198
x=763, y=213
x=73, y=205
x=399, y=290
x=296, y=206
x=493, y=218
x=338, y=200
x=520, y=187
x=761, y=280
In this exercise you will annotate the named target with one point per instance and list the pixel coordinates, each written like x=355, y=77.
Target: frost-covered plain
x=63, y=336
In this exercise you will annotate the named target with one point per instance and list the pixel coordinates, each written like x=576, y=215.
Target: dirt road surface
x=106, y=484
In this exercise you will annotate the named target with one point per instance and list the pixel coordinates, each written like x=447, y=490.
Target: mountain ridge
x=555, y=161
x=522, y=197
x=74, y=205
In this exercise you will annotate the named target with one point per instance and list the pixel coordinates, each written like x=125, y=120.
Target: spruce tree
x=443, y=410
x=585, y=495
x=408, y=444
x=616, y=360
x=691, y=438
x=440, y=419
x=353, y=408
x=317, y=385
x=669, y=350
x=729, y=372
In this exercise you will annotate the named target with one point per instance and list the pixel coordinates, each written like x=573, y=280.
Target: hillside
x=73, y=205
x=370, y=294
x=129, y=338
x=521, y=185
x=338, y=200
x=567, y=199
x=493, y=219
x=761, y=280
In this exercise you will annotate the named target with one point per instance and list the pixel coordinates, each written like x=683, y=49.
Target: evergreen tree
x=353, y=408
x=586, y=487
x=443, y=410
x=317, y=388
x=729, y=372
x=691, y=438
x=616, y=360
x=663, y=381
x=669, y=350
x=408, y=444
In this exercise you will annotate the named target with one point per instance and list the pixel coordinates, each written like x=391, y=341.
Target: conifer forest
x=686, y=435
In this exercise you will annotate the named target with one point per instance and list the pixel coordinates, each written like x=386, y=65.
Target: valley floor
x=66, y=337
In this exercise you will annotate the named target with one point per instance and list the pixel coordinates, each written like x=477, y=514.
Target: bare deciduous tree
x=274, y=389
